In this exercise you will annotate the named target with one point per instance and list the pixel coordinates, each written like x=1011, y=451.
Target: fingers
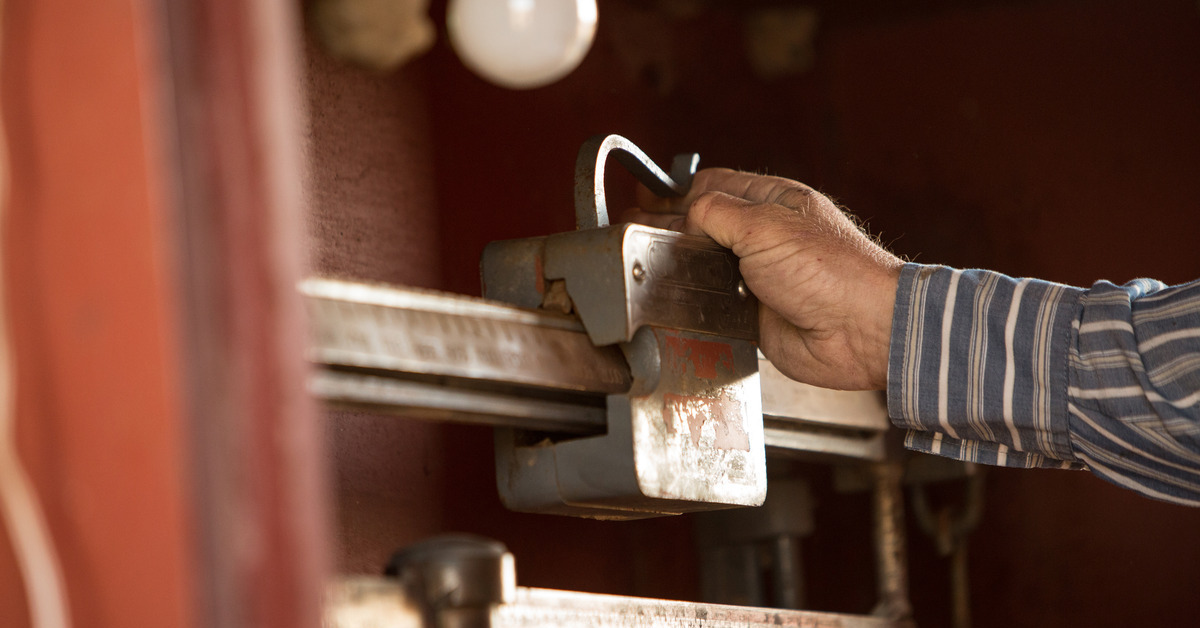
x=722, y=217
x=729, y=206
x=752, y=187
x=745, y=185
x=719, y=179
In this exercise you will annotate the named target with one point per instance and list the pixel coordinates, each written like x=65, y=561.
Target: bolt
x=639, y=273
x=458, y=579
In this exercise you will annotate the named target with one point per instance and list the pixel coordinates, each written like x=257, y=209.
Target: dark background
x=1054, y=139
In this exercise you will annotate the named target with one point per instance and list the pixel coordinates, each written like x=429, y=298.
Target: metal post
x=891, y=559
x=787, y=572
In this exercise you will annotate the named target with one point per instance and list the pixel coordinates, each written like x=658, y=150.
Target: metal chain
x=949, y=527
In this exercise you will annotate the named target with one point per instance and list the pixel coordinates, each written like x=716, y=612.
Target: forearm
x=978, y=366
x=1020, y=372
x=1134, y=389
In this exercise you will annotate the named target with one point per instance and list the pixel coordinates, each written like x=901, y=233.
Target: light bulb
x=521, y=43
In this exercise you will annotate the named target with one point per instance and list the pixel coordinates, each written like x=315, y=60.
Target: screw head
x=638, y=272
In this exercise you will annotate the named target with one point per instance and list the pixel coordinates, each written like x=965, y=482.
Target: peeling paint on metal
x=724, y=415
x=703, y=355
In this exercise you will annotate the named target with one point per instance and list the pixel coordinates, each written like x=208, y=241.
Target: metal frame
x=447, y=357
x=368, y=602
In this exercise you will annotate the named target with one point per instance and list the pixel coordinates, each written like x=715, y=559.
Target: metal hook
x=951, y=526
x=591, y=210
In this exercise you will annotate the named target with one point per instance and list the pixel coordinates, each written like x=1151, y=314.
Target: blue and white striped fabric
x=1027, y=373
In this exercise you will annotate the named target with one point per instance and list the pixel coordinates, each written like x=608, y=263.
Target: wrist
x=880, y=305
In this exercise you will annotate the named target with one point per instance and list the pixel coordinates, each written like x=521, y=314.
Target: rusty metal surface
x=438, y=402
x=546, y=607
x=624, y=277
x=365, y=602
x=451, y=358
x=687, y=437
x=511, y=271
x=421, y=332
x=627, y=276
x=370, y=602
x=698, y=430
x=891, y=554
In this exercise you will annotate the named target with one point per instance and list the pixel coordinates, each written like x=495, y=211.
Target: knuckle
x=796, y=195
x=705, y=201
x=712, y=178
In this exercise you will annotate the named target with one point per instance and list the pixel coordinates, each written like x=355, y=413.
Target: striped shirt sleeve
x=1027, y=373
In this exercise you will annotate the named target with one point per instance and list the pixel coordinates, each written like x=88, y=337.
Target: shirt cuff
x=977, y=367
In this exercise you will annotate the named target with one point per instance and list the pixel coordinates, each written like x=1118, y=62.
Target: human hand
x=826, y=290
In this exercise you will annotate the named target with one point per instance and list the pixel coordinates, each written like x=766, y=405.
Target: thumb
x=722, y=217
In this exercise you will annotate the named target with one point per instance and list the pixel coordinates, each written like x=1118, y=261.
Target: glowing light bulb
x=521, y=44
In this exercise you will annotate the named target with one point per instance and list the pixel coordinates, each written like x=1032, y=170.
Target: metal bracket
x=471, y=582
x=688, y=435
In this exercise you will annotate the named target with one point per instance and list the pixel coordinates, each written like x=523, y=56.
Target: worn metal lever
x=591, y=210
x=688, y=433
